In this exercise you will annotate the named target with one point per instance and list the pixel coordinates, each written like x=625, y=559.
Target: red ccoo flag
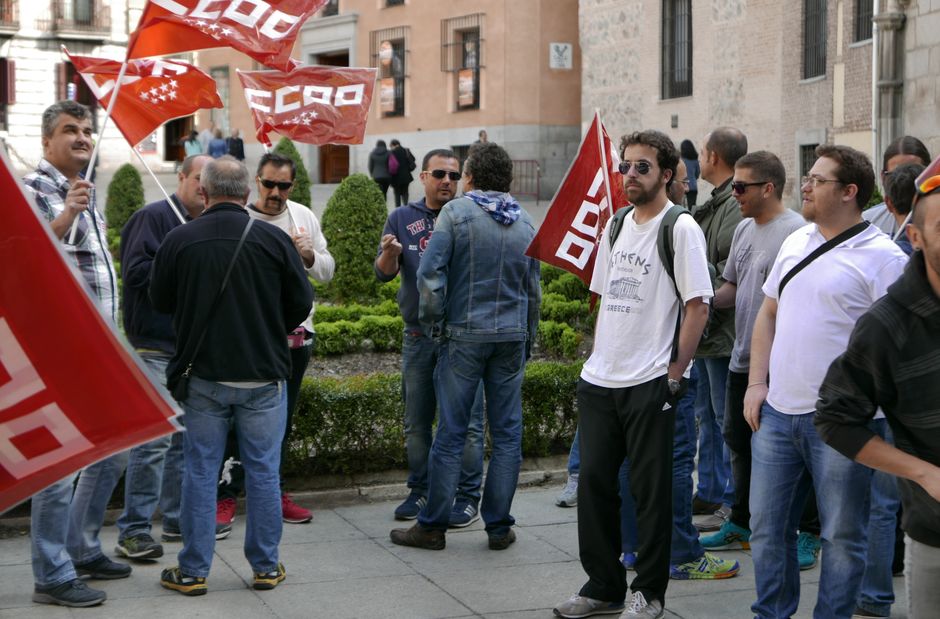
x=264, y=30
x=314, y=105
x=590, y=193
x=68, y=397
x=151, y=93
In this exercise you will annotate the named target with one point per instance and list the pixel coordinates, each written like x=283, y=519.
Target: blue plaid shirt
x=90, y=251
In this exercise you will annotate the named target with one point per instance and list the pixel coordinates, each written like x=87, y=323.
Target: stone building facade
x=791, y=75
x=34, y=72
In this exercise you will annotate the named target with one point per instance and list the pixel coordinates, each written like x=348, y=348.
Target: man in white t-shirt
x=798, y=332
x=631, y=383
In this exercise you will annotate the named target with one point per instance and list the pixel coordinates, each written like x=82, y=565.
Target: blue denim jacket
x=475, y=282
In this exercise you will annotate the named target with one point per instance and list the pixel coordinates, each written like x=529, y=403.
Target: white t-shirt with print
x=636, y=321
x=820, y=306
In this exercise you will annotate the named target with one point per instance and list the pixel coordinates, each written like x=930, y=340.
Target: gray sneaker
x=641, y=609
x=73, y=593
x=569, y=496
x=579, y=606
x=714, y=522
x=140, y=546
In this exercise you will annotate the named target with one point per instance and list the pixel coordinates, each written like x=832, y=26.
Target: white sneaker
x=578, y=606
x=640, y=608
x=569, y=496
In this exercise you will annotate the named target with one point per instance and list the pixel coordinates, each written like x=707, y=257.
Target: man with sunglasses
x=826, y=275
x=274, y=180
x=407, y=233
x=718, y=217
x=891, y=364
x=632, y=382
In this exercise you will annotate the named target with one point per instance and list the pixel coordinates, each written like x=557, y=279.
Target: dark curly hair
x=278, y=161
x=667, y=157
x=854, y=169
x=490, y=166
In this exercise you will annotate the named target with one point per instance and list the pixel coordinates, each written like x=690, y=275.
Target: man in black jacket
x=891, y=362
x=233, y=349
x=158, y=462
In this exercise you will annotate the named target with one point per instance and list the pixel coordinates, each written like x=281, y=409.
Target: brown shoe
x=419, y=537
x=700, y=507
x=502, y=542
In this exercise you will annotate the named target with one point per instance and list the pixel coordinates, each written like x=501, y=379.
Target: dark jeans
x=614, y=424
x=401, y=194
x=299, y=358
x=383, y=185
x=737, y=436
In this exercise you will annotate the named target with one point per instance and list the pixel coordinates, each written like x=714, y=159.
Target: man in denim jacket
x=480, y=293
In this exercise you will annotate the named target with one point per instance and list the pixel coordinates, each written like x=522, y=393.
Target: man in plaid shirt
x=65, y=528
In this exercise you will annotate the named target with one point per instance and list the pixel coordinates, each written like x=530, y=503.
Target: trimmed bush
x=550, y=273
x=568, y=286
x=332, y=313
x=354, y=425
x=353, y=222
x=558, y=338
x=300, y=192
x=557, y=308
x=378, y=333
x=125, y=196
x=389, y=290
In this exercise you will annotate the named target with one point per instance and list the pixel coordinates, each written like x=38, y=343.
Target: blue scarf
x=501, y=206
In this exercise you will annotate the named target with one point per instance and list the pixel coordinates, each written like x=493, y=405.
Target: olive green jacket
x=718, y=217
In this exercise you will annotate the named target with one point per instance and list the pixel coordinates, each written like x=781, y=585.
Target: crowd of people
x=211, y=141
x=813, y=409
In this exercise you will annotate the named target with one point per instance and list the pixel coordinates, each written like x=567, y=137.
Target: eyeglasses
x=739, y=187
x=931, y=183
x=440, y=174
x=814, y=181
x=642, y=167
x=269, y=184
x=684, y=181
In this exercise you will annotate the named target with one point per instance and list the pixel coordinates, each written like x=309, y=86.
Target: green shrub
x=568, y=286
x=378, y=333
x=353, y=222
x=337, y=338
x=550, y=273
x=125, y=196
x=385, y=332
x=557, y=308
x=389, y=290
x=332, y=313
x=300, y=192
x=353, y=425
x=875, y=200
x=558, y=338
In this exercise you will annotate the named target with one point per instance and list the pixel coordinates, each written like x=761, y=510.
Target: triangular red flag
x=313, y=105
x=264, y=30
x=68, y=397
x=151, y=93
x=590, y=193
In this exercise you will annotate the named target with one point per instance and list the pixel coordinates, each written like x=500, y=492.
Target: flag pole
x=900, y=231
x=602, y=146
x=94, y=152
x=160, y=185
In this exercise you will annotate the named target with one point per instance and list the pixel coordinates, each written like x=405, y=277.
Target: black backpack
x=667, y=253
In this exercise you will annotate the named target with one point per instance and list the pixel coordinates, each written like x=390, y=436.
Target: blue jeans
x=145, y=468
x=788, y=456
x=574, y=455
x=259, y=415
x=48, y=519
x=461, y=366
x=96, y=483
x=419, y=357
x=685, y=546
x=877, y=593
x=715, y=483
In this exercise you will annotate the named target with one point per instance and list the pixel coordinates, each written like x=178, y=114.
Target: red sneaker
x=293, y=513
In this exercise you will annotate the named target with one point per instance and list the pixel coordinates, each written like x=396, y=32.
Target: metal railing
x=526, y=178
x=79, y=17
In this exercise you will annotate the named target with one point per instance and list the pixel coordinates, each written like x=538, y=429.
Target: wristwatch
x=673, y=385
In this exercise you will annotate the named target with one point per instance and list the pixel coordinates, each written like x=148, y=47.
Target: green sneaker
x=729, y=537
x=709, y=567
x=807, y=550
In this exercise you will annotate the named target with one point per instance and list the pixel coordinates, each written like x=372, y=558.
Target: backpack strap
x=616, y=223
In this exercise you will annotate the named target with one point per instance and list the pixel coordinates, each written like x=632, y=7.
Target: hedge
x=354, y=425
x=558, y=338
x=378, y=333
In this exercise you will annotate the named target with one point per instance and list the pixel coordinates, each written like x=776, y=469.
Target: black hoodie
x=892, y=362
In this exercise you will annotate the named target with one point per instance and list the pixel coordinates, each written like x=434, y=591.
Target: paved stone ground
x=343, y=565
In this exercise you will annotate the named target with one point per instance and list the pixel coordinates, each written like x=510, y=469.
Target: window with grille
x=807, y=159
x=394, y=2
x=677, y=49
x=462, y=54
x=814, y=38
x=389, y=52
x=70, y=85
x=864, y=11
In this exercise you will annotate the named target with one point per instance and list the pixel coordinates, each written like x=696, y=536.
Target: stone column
x=890, y=78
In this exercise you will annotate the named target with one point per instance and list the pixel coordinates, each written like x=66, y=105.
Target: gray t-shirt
x=753, y=250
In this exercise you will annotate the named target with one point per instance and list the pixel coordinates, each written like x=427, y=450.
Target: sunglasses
x=440, y=174
x=642, y=167
x=739, y=187
x=269, y=184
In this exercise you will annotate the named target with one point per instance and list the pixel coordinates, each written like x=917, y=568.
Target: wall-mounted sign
x=387, y=95
x=560, y=55
x=466, y=87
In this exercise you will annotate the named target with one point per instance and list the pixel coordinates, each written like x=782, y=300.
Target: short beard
x=645, y=197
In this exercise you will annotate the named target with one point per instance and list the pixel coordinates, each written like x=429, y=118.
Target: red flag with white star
x=313, y=105
x=152, y=91
x=264, y=30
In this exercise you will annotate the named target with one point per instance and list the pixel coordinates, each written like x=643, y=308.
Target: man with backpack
x=645, y=337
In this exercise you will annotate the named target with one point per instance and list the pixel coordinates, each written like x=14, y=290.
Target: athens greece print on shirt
x=627, y=287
